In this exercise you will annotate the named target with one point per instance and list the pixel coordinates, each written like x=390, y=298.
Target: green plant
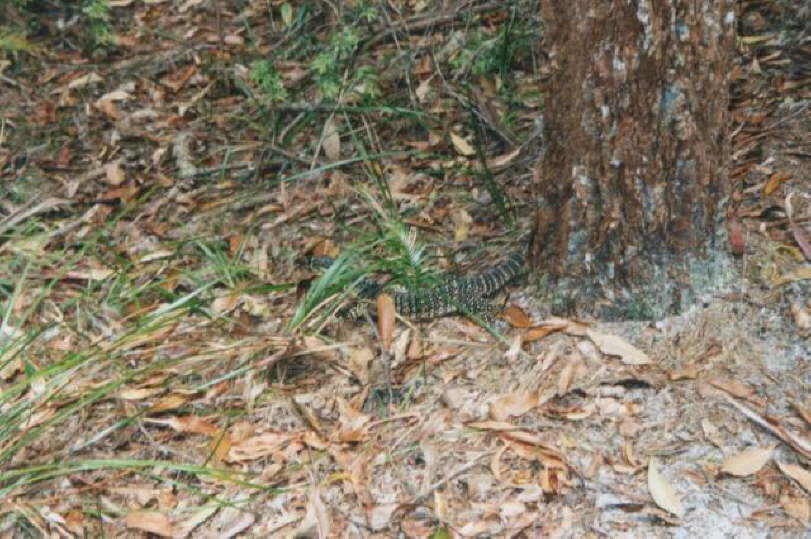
x=390, y=249
x=268, y=80
x=487, y=53
x=13, y=41
x=98, y=14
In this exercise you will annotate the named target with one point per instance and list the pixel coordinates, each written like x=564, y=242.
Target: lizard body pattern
x=451, y=295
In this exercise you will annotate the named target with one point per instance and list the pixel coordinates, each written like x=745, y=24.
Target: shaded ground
x=157, y=191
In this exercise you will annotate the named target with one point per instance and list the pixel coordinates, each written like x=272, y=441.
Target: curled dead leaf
x=662, y=492
x=517, y=317
x=513, y=404
x=798, y=473
x=462, y=146
x=332, y=140
x=748, y=461
x=614, y=345
x=151, y=522
x=541, y=331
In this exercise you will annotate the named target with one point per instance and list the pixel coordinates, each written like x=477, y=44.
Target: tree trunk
x=633, y=175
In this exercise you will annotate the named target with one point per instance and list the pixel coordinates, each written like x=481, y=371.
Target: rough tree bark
x=633, y=175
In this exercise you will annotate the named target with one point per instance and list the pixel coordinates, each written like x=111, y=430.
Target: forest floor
x=163, y=165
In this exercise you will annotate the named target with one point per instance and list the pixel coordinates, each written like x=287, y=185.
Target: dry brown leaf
x=188, y=424
x=422, y=90
x=332, y=139
x=774, y=182
x=614, y=345
x=662, y=492
x=528, y=447
x=513, y=404
x=178, y=79
x=360, y=359
x=75, y=522
x=736, y=235
x=316, y=522
x=263, y=445
x=517, y=317
x=170, y=402
x=748, y=461
x=539, y=332
x=798, y=473
x=737, y=389
x=220, y=445
x=353, y=423
x=566, y=377
x=140, y=393
x=385, y=319
x=799, y=443
x=462, y=146
x=109, y=108
x=84, y=80
x=501, y=161
x=461, y=224
x=797, y=507
x=802, y=318
x=151, y=522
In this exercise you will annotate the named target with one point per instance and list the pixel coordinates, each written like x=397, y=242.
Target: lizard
x=451, y=295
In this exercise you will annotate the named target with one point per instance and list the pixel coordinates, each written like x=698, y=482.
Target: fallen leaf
x=802, y=319
x=736, y=235
x=332, y=140
x=462, y=146
x=546, y=328
x=737, y=389
x=353, y=424
x=109, y=108
x=796, y=507
x=513, y=404
x=774, y=182
x=799, y=443
x=114, y=173
x=517, y=317
x=461, y=224
x=385, y=319
x=263, y=445
x=151, y=522
x=614, y=345
x=189, y=424
x=176, y=80
x=748, y=461
x=422, y=90
x=317, y=513
x=84, y=80
x=501, y=161
x=138, y=393
x=798, y=473
x=662, y=492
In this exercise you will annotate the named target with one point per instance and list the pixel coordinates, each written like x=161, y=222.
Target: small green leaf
x=287, y=14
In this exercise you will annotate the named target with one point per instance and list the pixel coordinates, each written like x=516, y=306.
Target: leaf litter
x=143, y=339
